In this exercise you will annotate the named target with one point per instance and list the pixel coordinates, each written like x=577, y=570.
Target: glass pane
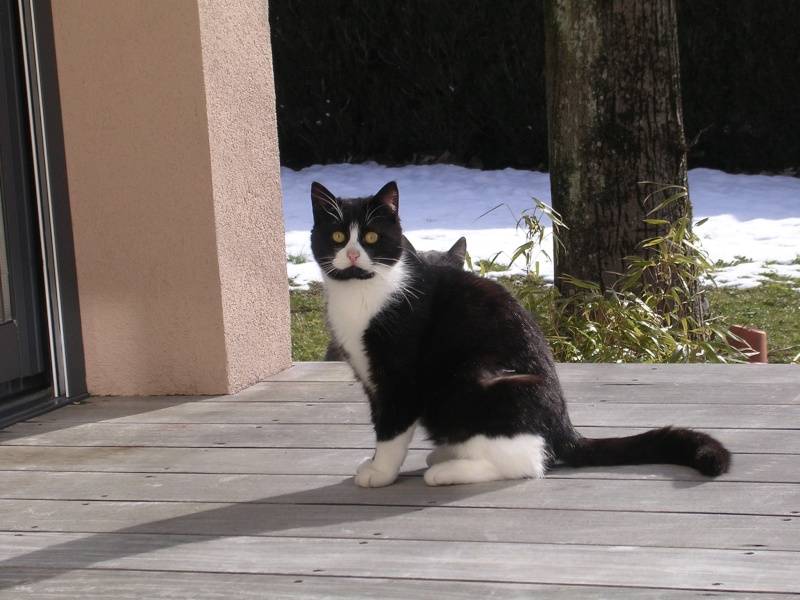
x=5, y=290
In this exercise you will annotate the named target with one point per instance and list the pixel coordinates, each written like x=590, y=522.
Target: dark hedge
x=740, y=75
x=462, y=81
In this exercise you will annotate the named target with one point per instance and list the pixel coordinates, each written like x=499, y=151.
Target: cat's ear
x=323, y=203
x=388, y=196
x=458, y=253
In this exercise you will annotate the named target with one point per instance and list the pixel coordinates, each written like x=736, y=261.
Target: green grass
x=298, y=258
x=490, y=266
x=737, y=260
x=309, y=333
x=773, y=306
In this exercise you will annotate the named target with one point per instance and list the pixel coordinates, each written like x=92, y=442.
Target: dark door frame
x=24, y=365
x=46, y=144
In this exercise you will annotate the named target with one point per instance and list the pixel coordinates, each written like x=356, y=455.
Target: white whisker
x=328, y=203
x=370, y=214
x=336, y=213
x=404, y=290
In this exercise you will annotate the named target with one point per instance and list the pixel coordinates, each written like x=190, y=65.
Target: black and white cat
x=442, y=348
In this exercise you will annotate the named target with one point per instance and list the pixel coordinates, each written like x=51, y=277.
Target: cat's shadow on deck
x=332, y=511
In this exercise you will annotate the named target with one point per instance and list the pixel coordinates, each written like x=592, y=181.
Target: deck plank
x=765, y=468
x=87, y=584
x=194, y=497
x=644, y=495
x=652, y=410
x=679, y=393
x=321, y=435
x=430, y=523
x=722, y=375
x=555, y=564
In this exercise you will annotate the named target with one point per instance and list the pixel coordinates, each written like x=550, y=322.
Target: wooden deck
x=252, y=496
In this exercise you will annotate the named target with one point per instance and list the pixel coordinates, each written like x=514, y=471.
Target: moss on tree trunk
x=614, y=120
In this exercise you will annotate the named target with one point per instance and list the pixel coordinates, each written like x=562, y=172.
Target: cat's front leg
x=383, y=467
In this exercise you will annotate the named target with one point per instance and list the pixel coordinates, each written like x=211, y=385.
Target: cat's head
x=356, y=238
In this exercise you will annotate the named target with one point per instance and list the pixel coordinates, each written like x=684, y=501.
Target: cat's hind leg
x=462, y=470
x=383, y=467
x=440, y=454
x=481, y=459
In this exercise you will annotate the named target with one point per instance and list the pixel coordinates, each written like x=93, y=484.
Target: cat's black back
x=475, y=345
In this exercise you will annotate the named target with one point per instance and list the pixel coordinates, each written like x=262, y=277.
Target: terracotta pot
x=756, y=340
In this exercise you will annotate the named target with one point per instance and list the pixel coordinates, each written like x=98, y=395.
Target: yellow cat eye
x=370, y=237
x=338, y=237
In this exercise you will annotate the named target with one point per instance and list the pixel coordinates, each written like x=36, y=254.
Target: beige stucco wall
x=172, y=160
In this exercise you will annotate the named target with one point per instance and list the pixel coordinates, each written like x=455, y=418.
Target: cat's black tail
x=668, y=445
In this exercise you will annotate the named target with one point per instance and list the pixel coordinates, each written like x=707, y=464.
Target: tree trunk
x=614, y=120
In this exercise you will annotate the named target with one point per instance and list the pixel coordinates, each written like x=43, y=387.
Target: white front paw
x=367, y=475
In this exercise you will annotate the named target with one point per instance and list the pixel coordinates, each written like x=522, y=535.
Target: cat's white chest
x=351, y=305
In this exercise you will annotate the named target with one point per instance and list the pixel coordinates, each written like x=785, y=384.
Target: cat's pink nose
x=353, y=256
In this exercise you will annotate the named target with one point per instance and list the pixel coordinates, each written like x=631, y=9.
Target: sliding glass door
x=24, y=359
